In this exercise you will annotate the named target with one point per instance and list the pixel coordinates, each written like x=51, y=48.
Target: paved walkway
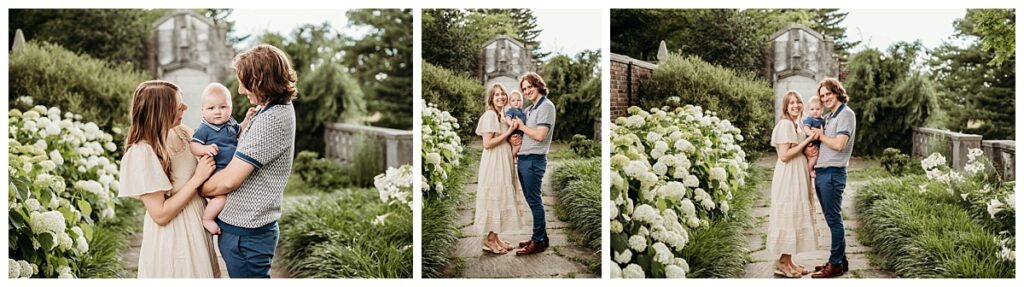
x=764, y=263
x=555, y=262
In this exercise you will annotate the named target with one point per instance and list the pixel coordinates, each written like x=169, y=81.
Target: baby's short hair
x=218, y=88
x=515, y=92
x=814, y=99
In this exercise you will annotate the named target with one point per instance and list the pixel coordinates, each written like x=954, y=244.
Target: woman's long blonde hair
x=154, y=109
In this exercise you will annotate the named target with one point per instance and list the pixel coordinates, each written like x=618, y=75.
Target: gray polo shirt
x=268, y=145
x=843, y=121
x=540, y=114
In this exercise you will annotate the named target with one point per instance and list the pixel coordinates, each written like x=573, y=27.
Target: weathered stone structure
x=801, y=58
x=192, y=51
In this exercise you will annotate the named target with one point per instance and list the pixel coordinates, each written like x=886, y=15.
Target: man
x=537, y=131
x=834, y=156
x=254, y=180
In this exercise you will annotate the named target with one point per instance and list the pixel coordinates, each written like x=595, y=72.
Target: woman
x=499, y=198
x=158, y=169
x=791, y=224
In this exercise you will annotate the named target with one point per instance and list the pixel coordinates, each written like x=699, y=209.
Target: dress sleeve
x=784, y=133
x=488, y=123
x=141, y=172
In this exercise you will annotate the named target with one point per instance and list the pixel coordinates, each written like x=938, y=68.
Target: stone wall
x=1002, y=154
x=626, y=75
x=341, y=141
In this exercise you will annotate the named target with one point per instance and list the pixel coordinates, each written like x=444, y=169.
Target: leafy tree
x=574, y=85
x=735, y=39
x=976, y=90
x=115, y=35
x=446, y=42
x=382, y=60
x=994, y=27
x=890, y=97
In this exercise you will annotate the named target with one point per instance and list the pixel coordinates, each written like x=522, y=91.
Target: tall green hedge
x=460, y=95
x=735, y=96
x=53, y=76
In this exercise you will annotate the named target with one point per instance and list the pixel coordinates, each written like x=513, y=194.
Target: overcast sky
x=256, y=21
x=881, y=28
x=569, y=31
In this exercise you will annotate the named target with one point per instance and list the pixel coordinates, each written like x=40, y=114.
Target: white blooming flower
x=13, y=269
x=672, y=271
x=633, y=271
x=638, y=243
x=50, y=221
x=718, y=173
x=33, y=204
x=623, y=257
x=616, y=272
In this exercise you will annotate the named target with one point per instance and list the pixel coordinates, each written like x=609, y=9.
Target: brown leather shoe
x=532, y=248
x=830, y=271
x=846, y=266
x=523, y=244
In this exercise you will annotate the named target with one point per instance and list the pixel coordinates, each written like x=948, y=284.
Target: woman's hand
x=516, y=139
x=205, y=168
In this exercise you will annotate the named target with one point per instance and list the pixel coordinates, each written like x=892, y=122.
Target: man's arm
x=538, y=133
x=837, y=142
x=228, y=179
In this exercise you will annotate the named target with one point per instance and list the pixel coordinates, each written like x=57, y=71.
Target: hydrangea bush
x=982, y=190
x=672, y=170
x=394, y=187
x=441, y=148
x=63, y=181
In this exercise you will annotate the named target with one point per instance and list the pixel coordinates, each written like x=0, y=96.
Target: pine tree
x=382, y=61
x=828, y=22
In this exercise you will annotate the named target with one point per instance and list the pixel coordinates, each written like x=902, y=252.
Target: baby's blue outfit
x=817, y=123
x=225, y=136
x=516, y=113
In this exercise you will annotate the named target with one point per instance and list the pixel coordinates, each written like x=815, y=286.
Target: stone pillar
x=1002, y=154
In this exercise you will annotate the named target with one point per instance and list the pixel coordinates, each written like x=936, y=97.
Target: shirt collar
x=837, y=111
x=535, y=105
x=216, y=128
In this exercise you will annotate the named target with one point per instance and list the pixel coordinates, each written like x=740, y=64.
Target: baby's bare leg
x=811, y=161
x=213, y=208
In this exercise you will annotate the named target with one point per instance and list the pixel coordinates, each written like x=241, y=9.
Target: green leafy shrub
x=921, y=231
x=583, y=146
x=734, y=96
x=337, y=236
x=578, y=186
x=897, y=163
x=440, y=224
x=47, y=74
x=461, y=96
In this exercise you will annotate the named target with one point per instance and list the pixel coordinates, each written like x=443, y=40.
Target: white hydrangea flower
x=33, y=204
x=623, y=257
x=672, y=271
x=633, y=271
x=13, y=269
x=638, y=243
x=616, y=226
x=616, y=272
x=50, y=221
x=718, y=173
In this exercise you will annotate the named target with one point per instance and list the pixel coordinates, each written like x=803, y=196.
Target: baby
x=813, y=121
x=514, y=110
x=217, y=136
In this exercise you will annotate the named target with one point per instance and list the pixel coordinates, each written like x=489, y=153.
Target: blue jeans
x=531, y=174
x=829, y=185
x=248, y=252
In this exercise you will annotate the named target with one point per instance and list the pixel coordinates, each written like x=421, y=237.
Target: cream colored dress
x=182, y=248
x=791, y=222
x=500, y=204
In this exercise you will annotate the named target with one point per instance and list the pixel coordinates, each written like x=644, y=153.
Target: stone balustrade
x=341, y=141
